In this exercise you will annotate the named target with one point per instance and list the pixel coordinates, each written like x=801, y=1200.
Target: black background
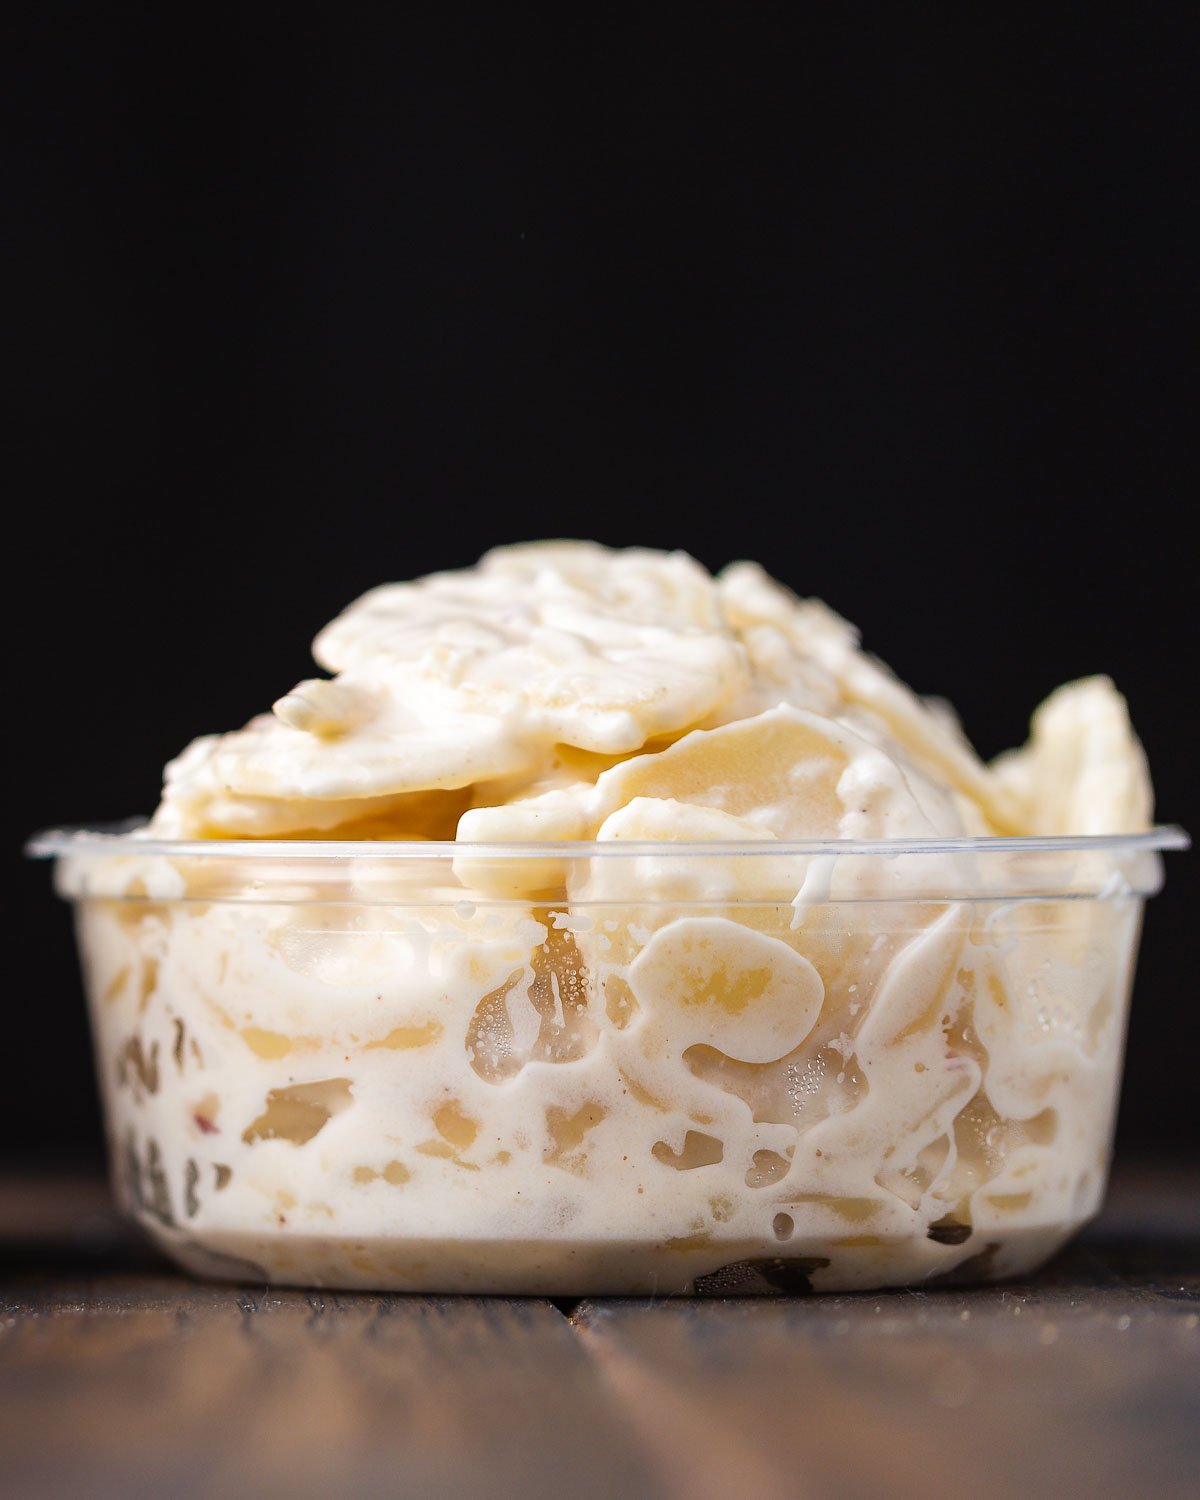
x=897, y=303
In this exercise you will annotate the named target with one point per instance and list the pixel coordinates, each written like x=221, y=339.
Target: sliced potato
x=790, y=773
x=822, y=640
x=1083, y=770
x=711, y=982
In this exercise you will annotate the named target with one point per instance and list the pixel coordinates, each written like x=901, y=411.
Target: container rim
x=127, y=839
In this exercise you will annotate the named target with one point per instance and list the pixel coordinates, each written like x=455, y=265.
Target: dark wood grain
x=120, y=1378
x=1080, y=1389
x=143, y=1385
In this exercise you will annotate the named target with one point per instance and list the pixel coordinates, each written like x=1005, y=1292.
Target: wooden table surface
x=119, y=1377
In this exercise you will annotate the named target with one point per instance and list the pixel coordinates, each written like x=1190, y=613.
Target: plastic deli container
x=614, y=1067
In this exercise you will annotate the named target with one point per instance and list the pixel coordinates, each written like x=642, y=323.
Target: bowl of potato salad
x=598, y=925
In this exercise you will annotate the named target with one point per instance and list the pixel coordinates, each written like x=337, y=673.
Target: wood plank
x=119, y=1377
x=1086, y=1382
x=128, y=1385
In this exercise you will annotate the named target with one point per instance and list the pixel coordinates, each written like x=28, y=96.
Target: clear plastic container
x=609, y=1068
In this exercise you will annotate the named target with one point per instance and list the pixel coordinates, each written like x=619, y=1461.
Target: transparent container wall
x=616, y=1071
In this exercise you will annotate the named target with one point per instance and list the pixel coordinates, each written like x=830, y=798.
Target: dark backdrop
x=895, y=303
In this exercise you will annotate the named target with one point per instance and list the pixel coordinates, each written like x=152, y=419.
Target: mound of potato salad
x=548, y=1000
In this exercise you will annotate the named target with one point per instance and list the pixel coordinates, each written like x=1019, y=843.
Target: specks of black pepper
x=949, y=1231
x=177, y=1048
x=786, y=1275
x=191, y=1177
x=221, y=1174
